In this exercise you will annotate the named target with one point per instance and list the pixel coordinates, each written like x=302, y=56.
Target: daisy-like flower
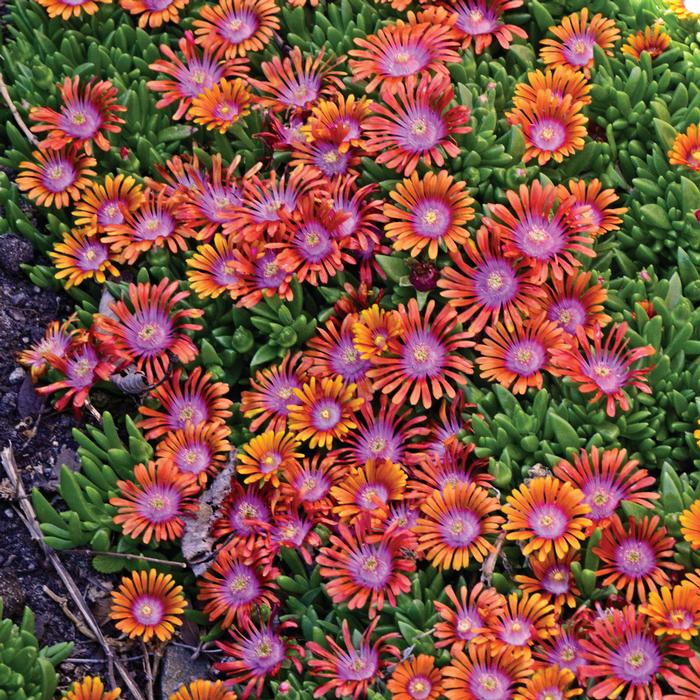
x=538, y=227
x=603, y=367
x=236, y=27
x=351, y=669
x=606, y=478
x=154, y=504
x=262, y=272
x=325, y=411
x=221, y=105
x=369, y=490
x=690, y=524
x=157, y=223
x=552, y=579
x=526, y=620
x=56, y=178
x=362, y=216
x=563, y=650
x=479, y=21
x=480, y=674
x=246, y=515
x=294, y=532
x=339, y=119
x=573, y=301
x=271, y=393
x=91, y=688
x=203, y=690
x=575, y=39
x=154, y=13
x=425, y=363
x=296, y=82
x=554, y=682
x=267, y=455
x=400, y=50
x=684, y=9
x=190, y=73
x=328, y=158
x=237, y=583
x=685, y=681
x=148, y=604
x=469, y=619
x=553, y=129
x=547, y=515
x=490, y=287
x=636, y=559
x=373, y=329
x=592, y=207
x=560, y=81
x=416, y=679
x=199, y=400
x=516, y=355
x=148, y=330
x=366, y=565
x=674, y=612
x=211, y=271
x=653, y=40
x=104, y=204
x=685, y=149
x=80, y=256
x=57, y=340
x=256, y=653
x=624, y=658
x=308, y=484
x=86, y=113
x=429, y=211
x=201, y=450
x=65, y=9
x=444, y=432
x=454, y=525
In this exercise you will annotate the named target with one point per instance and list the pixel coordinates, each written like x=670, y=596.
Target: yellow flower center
x=350, y=355
x=370, y=564
x=495, y=281
x=330, y=157
x=111, y=210
x=358, y=664
x=489, y=683
x=633, y=556
x=325, y=414
x=568, y=654
x=695, y=155
x=198, y=77
x=56, y=172
x=191, y=457
x=146, y=610
x=558, y=576
x=547, y=133
x=580, y=47
x=402, y=57
x=224, y=109
x=565, y=317
x=464, y=625
x=187, y=413
x=636, y=659
x=537, y=234
x=312, y=239
x=421, y=353
x=152, y=225
x=90, y=254
x=284, y=393
x=516, y=627
x=602, y=371
x=600, y=498
x=430, y=217
x=417, y=686
x=157, y=503
x=271, y=269
x=546, y=520
x=264, y=650
x=82, y=367
x=235, y=24
x=240, y=583
x=476, y=15
x=248, y=511
x=377, y=445
x=525, y=356
x=380, y=340
x=419, y=127
x=269, y=460
x=457, y=528
x=147, y=332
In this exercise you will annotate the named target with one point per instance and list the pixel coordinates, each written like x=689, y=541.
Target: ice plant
x=324, y=412
x=58, y=338
x=88, y=110
x=575, y=38
x=203, y=690
x=400, y=50
x=80, y=256
x=603, y=366
x=148, y=604
x=685, y=150
x=684, y=9
x=351, y=669
x=425, y=363
x=65, y=9
x=154, y=13
x=148, y=330
x=338, y=119
x=653, y=40
x=211, y=271
x=560, y=81
x=526, y=620
x=56, y=178
x=246, y=516
x=154, y=504
x=480, y=22
x=266, y=455
x=685, y=681
x=636, y=559
x=690, y=524
x=674, y=612
x=105, y=204
x=546, y=515
x=373, y=329
x=428, y=213
x=91, y=688
x=308, y=484
x=593, y=206
x=416, y=124
x=454, y=526
x=552, y=579
x=416, y=679
x=553, y=682
x=606, y=478
x=221, y=105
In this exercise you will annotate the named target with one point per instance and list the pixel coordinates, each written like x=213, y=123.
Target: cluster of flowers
x=356, y=459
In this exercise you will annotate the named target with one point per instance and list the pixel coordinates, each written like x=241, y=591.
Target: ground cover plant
x=384, y=358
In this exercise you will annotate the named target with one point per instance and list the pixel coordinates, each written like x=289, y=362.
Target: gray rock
x=178, y=667
x=14, y=251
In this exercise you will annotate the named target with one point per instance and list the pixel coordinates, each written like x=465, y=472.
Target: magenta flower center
x=241, y=585
x=314, y=243
x=516, y=632
x=548, y=521
x=637, y=660
x=370, y=567
x=459, y=527
x=490, y=684
x=399, y=61
x=149, y=332
x=556, y=581
x=475, y=19
x=148, y=610
x=357, y=665
x=311, y=486
x=154, y=225
x=91, y=256
x=432, y=218
x=372, y=495
x=606, y=371
x=80, y=120
x=495, y=283
x=419, y=687
x=635, y=558
x=238, y=26
x=602, y=496
x=548, y=134
x=423, y=355
x=578, y=49
x=58, y=175
x=525, y=357
x=326, y=414
x=158, y=503
x=421, y=129
x=468, y=621
x=110, y=212
x=539, y=238
x=568, y=312
x=193, y=459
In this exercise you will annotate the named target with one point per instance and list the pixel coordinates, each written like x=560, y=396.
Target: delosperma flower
x=154, y=13
x=80, y=256
x=686, y=148
x=88, y=110
x=56, y=342
x=203, y=690
x=552, y=579
x=416, y=124
x=338, y=119
x=553, y=682
x=349, y=670
x=674, y=612
x=546, y=515
x=236, y=584
x=562, y=650
x=685, y=681
x=416, y=679
x=148, y=330
x=308, y=484
x=268, y=454
x=105, y=204
x=154, y=504
x=65, y=9
x=211, y=271
x=400, y=50
x=690, y=524
x=684, y=9
x=328, y=158
x=560, y=81
x=428, y=213
x=454, y=526
x=245, y=514
x=373, y=329
x=575, y=38
x=221, y=105
x=263, y=271
x=56, y=178
x=593, y=205
x=653, y=40
x=480, y=22
x=637, y=558
x=469, y=619
x=91, y=688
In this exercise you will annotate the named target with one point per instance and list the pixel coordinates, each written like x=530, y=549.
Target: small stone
x=16, y=375
x=13, y=595
x=14, y=251
x=179, y=668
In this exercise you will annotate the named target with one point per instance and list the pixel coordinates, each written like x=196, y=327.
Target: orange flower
x=91, y=688
x=674, y=612
x=690, y=524
x=153, y=13
x=549, y=682
x=416, y=679
x=553, y=580
x=373, y=331
x=101, y=205
x=684, y=9
x=148, y=604
x=67, y=9
x=203, y=690
x=266, y=456
x=592, y=206
x=548, y=515
x=686, y=149
x=652, y=40
x=81, y=256
x=221, y=105
x=560, y=81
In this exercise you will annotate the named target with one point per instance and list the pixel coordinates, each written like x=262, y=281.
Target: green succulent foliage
x=27, y=672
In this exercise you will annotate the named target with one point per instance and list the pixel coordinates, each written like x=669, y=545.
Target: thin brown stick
x=29, y=517
x=13, y=110
x=124, y=555
x=489, y=565
x=148, y=671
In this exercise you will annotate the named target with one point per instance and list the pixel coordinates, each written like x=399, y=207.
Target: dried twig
x=148, y=671
x=135, y=557
x=13, y=110
x=29, y=517
x=489, y=565
x=62, y=602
